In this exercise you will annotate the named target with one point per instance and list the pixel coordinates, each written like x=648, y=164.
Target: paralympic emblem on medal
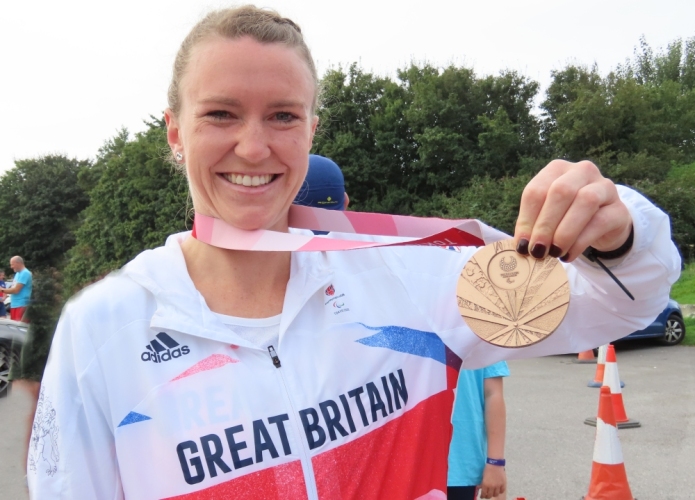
x=512, y=300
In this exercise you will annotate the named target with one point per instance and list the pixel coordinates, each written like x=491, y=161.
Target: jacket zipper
x=307, y=467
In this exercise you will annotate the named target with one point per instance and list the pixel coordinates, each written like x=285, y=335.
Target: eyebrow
x=227, y=101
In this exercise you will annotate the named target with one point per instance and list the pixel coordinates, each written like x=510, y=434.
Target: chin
x=254, y=221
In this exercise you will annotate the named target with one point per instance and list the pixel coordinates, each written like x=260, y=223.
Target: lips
x=249, y=180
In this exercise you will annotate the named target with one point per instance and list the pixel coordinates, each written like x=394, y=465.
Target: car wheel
x=5, y=362
x=675, y=330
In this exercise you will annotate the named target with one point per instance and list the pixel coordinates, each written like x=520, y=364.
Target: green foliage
x=676, y=195
x=646, y=107
x=402, y=142
x=689, y=331
x=683, y=290
x=40, y=200
x=137, y=200
x=493, y=201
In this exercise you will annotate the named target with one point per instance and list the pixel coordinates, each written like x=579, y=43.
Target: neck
x=238, y=283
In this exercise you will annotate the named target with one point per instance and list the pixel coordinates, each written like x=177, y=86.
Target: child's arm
x=494, y=477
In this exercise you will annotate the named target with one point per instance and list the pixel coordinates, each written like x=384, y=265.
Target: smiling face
x=244, y=129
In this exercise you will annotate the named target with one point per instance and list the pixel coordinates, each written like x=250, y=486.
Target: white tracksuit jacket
x=146, y=397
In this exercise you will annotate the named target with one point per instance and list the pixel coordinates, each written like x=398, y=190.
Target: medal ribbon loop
x=428, y=231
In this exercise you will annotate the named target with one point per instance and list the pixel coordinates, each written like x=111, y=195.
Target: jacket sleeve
x=599, y=312
x=71, y=451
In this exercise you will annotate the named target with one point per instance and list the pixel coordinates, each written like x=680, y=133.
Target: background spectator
x=324, y=185
x=479, y=421
x=20, y=289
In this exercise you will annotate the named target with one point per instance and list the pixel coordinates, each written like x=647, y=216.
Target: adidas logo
x=164, y=349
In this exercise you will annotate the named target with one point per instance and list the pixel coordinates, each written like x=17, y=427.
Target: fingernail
x=565, y=257
x=538, y=250
x=555, y=251
x=522, y=247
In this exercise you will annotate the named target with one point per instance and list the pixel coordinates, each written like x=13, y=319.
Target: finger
x=606, y=220
x=532, y=200
x=587, y=201
x=562, y=194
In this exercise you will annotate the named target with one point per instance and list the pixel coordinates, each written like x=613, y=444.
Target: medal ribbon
x=427, y=231
x=422, y=231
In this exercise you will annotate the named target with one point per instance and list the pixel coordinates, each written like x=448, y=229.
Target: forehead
x=245, y=69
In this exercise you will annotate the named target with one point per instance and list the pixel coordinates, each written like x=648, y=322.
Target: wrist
x=499, y=462
x=616, y=252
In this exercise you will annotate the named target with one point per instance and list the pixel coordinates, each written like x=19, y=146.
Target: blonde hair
x=263, y=25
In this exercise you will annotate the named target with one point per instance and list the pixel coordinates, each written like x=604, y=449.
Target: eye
x=219, y=114
x=285, y=117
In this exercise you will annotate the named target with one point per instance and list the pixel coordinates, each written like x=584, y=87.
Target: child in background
x=476, y=453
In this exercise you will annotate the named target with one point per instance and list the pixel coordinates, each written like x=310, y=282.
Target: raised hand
x=568, y=207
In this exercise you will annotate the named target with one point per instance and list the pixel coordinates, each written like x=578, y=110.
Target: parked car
x=12, y=337
x=668, y=327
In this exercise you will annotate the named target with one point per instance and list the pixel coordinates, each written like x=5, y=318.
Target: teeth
x=248, y=180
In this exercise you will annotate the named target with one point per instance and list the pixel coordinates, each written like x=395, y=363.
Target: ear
x=346, y=202
x=173, y=131
x=314, y=124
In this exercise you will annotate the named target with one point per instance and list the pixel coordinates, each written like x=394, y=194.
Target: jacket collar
x=181, y=308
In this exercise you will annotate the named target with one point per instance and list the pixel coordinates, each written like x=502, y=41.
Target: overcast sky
x=74, y=72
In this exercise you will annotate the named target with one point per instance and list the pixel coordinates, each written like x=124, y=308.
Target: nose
x=252, y=142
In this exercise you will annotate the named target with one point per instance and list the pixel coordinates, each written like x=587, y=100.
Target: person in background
x=324, y=186
x=20, y=289
x=476, y=453
x=3, y=310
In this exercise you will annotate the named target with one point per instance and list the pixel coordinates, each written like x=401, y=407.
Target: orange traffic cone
x=600, y=368
x=586, y=357
x=608, y=476
x=611, y=378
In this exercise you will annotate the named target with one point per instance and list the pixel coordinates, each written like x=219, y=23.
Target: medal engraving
x=511, y=300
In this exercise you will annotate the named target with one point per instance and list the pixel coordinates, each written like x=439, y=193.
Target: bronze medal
x=512, y=300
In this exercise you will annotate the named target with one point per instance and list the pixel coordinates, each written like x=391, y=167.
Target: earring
x=179, y=156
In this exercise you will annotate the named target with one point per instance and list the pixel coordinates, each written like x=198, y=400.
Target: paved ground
x=13, y=410
x=549, y=449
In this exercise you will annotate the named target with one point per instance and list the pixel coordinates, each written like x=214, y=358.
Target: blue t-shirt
x=468, y=449
x=21, y=299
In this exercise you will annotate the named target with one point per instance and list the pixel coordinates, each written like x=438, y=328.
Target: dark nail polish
x=565, y=257
x=555, y=251
x=522, y=247
x=538, y=250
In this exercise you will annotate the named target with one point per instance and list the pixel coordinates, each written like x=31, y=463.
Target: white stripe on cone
x=607, y=448
x=611, y=377
x=602, y=354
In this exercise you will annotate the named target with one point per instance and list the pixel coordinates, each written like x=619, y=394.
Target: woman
x=199, y=372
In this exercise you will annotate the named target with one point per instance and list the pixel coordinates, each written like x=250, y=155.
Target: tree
x=138, y=199
x=40, y=200
x=401, y=142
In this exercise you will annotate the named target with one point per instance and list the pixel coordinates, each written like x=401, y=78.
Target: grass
x=689, y=331
x=683, y=291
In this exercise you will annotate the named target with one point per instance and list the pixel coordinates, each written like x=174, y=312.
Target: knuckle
x=609, y=186
x=558, y=164
x=533, y=193
x=588, y=196
x=562, y=189
x=588, y=168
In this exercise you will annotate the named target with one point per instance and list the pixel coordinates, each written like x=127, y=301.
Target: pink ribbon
x=422, y=230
